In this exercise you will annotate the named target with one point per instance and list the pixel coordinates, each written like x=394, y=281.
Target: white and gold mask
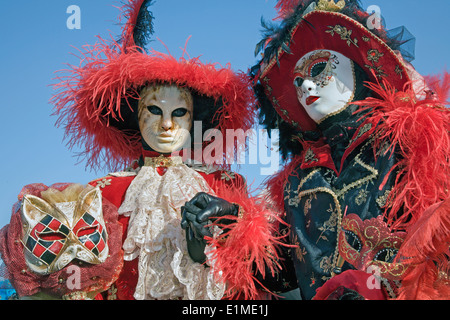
x=325, y=83
x=55, y=233
x=165, y=117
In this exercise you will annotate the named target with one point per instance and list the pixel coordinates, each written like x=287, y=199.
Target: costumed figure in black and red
x=366, y=142
x=166, y=120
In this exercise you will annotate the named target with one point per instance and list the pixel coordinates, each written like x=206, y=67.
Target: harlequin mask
x=55, y=233
x=370, y=243
x=165, y=117
x=325, y=82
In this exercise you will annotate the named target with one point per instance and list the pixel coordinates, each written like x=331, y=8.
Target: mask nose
x=308, y=86
x=166, y=124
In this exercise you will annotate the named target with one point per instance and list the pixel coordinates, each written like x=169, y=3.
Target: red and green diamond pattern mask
x=56, y=233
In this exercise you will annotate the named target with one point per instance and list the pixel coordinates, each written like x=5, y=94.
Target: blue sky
x=36, y=42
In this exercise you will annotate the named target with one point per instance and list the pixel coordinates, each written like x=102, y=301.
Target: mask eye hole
x=317, y=68
x=155, y=110
x=52, y=236
x=86, y=231
x=353, y=240
x=180, y=112
x=386, y=255
x=298, y=82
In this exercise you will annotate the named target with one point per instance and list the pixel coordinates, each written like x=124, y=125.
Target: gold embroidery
x=384, y=148
x=162, y=161
x=308, y=202
x=399, y=71
x=268, y=88
x=338, y=213
x=227, y=176
x=330, y=5
x=112, y=293
x=382, y=200
x=330, y=224
x=362, y=130
x=299, y=252
x=266, y=68
x=388, y=287
x=313, y=280
x=293, y=201
x=104, y=182
x=284, y=112
x=379, y=72
x=374, y=56
x=344, y=33
x=370, y=177
x=309, y=176
x=361, y=197
x=310, y=156
x=77, y=295
x=275, y=102
x=326, y=264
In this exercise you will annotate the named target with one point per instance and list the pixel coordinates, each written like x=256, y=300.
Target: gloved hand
x=199, y=212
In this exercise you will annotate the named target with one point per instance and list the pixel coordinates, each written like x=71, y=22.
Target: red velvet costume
x=224, y=184
x=97, y=105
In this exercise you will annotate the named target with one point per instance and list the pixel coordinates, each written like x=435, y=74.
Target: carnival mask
x=325, y=82
x=370, y=243
x=55, y=233
x=165, y=117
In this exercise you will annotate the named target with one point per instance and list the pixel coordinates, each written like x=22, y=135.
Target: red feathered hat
x=313, y=25
x=405, y=109
x=93, y=100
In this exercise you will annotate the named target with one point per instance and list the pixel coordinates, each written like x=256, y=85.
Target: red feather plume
x=427, y=249
x=248, y=247
x=419, y=131
x=91, y=94
x=285, y=8
x=130, y=13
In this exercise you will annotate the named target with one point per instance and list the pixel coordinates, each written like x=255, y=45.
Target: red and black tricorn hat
x=92, y=101
x=322, y=29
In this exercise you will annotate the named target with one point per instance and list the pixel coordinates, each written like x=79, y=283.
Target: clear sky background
x=35, y=42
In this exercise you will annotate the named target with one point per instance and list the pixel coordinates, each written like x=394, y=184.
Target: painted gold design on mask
x=370, y=243
x=166, y=117
x=325, y=83
x=63, y=226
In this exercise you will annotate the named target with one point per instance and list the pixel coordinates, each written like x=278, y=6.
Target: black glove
x=199, y=212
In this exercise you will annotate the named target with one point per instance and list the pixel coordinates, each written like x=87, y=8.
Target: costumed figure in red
x=165, y=120
x=366, y=142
